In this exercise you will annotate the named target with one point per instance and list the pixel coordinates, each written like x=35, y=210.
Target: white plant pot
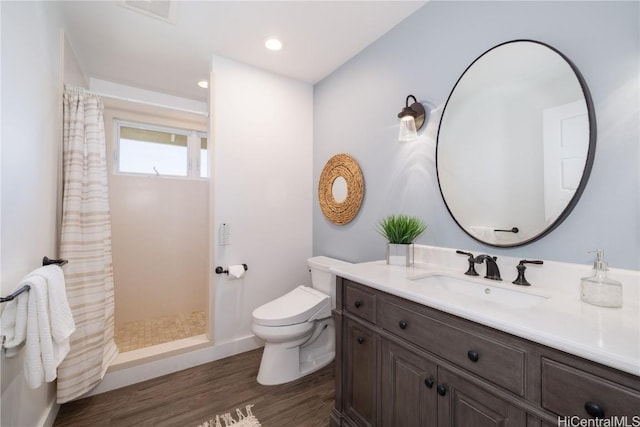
x=399, y=254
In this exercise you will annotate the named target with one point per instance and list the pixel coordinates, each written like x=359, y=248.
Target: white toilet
x=297, y=328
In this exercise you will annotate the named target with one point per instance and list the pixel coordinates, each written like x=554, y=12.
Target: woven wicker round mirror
x=343, y=211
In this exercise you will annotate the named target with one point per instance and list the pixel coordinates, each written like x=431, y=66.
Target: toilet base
x=285, y=362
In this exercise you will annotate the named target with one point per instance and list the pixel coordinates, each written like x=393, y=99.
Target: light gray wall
x=355, y=112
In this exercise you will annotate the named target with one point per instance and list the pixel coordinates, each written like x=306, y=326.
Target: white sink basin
x=501, y=293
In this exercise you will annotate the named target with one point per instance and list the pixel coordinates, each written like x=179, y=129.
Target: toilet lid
x=298, y=306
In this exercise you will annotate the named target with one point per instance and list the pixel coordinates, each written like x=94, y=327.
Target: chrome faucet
x=493, y=272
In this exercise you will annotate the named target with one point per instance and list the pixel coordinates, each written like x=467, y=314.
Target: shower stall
x=158, y=191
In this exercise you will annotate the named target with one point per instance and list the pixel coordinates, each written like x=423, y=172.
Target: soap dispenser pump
x=598, y=289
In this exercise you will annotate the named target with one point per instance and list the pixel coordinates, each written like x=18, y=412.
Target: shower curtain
x=86, y=242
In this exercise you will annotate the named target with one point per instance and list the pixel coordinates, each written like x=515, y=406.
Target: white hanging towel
x=14, y=323
x=49, y=324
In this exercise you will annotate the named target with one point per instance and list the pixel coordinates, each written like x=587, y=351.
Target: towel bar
x=25, y=288
x=48, y=261
x=45, y=261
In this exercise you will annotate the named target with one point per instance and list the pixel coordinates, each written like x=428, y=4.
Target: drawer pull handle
x=358, y=304
x=360, y=340
x=429, y=382
x=442, y=390
x=594, y=409
x=473, y=355
x=403, y=324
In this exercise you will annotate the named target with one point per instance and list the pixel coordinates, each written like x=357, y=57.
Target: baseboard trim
x=50, y=413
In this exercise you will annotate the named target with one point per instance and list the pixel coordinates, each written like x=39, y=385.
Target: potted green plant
x=400, y=232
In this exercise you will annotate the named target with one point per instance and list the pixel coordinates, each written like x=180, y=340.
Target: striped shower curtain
x=86, y=242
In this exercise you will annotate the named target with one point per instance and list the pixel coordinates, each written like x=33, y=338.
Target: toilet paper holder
x=220, y=270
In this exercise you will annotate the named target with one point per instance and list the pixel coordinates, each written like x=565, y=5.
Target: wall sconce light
x=411, y=120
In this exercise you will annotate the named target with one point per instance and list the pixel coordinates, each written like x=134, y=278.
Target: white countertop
x=610, y=336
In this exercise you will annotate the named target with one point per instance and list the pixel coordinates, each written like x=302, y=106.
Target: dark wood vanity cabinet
x=402, y=364
x=361, y=344
x=464, y=404
x=416, y=391
x=408, y=385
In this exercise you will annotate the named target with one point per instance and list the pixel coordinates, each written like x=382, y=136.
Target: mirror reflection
x=339, y=189
x=515, y=144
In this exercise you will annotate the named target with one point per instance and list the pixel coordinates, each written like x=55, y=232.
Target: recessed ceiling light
x=203, y=84
x=273, y=44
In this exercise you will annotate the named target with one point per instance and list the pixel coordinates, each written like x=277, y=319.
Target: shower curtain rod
x=153, y=104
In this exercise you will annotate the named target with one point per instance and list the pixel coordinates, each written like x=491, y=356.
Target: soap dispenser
x=598, y=289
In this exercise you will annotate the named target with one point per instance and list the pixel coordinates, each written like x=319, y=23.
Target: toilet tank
x=321, y=278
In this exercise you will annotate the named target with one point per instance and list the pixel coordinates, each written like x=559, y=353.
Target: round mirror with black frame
x=516, y=143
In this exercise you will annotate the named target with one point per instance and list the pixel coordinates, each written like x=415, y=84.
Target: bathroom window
x=155, y=150
x=204, y=159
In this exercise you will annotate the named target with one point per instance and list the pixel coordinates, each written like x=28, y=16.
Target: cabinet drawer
x=496, y=361
x=360, y=302
x=568, y=391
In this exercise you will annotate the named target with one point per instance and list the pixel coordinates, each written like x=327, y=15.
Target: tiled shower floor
x=145, y=333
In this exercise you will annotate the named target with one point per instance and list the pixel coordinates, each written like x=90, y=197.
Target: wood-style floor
x=189, y=398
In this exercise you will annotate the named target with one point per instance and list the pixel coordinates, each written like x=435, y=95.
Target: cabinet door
x=408, y=388
x=360, y=362
x=463, y=404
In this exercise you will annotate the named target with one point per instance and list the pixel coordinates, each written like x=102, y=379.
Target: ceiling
x=124, y=46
